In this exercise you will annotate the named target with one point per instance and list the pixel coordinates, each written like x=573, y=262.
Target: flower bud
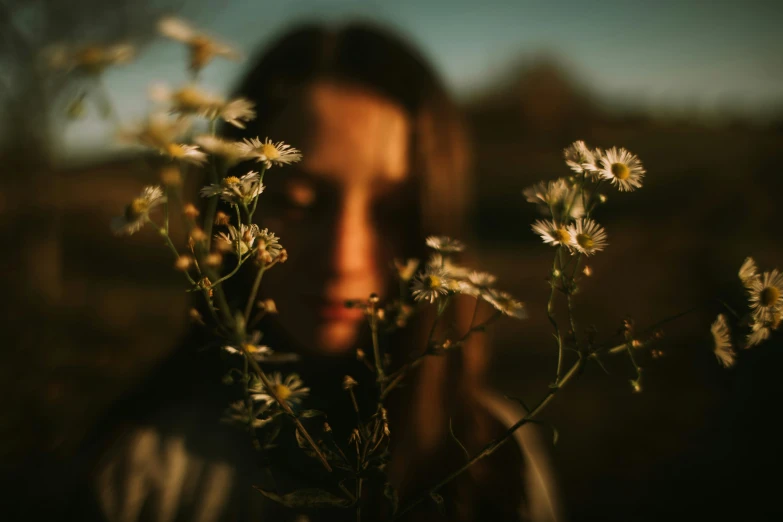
x=190, y=211
x=171, y=176
x=268, y=305
x=198, y=235
x=349, y=382
x=214, y=260
x=587, y=271
x=183, y=263
x=221, y=218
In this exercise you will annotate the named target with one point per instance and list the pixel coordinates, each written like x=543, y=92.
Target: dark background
x=88, y=315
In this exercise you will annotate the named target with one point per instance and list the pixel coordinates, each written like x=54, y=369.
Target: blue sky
x=704, y=57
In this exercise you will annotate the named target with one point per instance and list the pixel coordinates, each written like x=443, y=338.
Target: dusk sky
x=710, y=58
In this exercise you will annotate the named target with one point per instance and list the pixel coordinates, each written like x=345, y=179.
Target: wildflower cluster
x=222, y=236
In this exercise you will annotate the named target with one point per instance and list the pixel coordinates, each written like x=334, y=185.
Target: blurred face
x=339, y=213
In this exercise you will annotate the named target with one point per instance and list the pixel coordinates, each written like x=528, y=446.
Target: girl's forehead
x=346, y=132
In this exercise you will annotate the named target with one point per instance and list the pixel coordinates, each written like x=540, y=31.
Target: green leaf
x=307, y=498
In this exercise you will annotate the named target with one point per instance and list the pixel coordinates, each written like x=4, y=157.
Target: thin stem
x=495, y=444
x=550, y=312
x=253, y=293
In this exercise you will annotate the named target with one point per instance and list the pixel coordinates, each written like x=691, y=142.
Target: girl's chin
x=334, y=337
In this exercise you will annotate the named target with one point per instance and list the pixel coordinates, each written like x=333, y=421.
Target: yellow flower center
x=769, y=296
x=585, y=241
x=231, y=180
x=175, y=150
x=432, y=282
x=91, y=56
x=282, y=391
x=250, y=348
x=270, y=151
x=562, y=235
x=136, y=209
x=189, y=98
x=201, y=51
x=620, y=171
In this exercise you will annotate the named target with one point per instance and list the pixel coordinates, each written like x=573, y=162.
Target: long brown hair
x=372, y=58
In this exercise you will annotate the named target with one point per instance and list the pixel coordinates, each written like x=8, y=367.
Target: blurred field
x=89, y=314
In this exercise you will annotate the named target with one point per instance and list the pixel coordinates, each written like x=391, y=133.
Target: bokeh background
x=694, y=88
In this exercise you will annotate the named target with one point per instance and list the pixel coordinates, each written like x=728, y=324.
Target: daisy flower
x=270, y=153
x=251, y=346
x=430, y=284
x=758, y=334
x=580, y=158
x=406, y=270
x=557, y=199
x=202, y=47
x=236, y=190
x=161, y=133
x=191, y=100
x=587, y=237
x=722, y=338
x=506, y=304
x=230, y=151
x=268, y=243
x=621, y=168
x=239, y=413
x=291, y=390
x=765, y=293
x=748, y=271
x=452, y=270
x=241, y=239
x=478, y=283
x=91, y=59
x=138, y=211
x=766, y=298
x=445, y=245
x=552, y=233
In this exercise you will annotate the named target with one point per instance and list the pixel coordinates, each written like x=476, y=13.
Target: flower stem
x=253, y=293
x=495, y=444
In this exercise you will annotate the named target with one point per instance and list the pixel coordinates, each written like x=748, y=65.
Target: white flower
x=270, y=153
x=622, y=168
x=552, y=233
x=137, y=212
x=191, y=100
x=91, y=59
x=241, y=240
x=230, y=151
x=291, y=390
x=268, y=243
x=406, y=270
x=202, y=47
x=161, y=133
x=580, y=158
x=765, y=293
x=587, y=237
x=445, y=245
x=452, y=270
x=758, y=334
x=557, y=199
x=723, y=349
x=748, y=271
x=431, y=284
x=506, y=304
x=251, y=346
x=239, y=413
x=236, y=190
x=766, y=298
x=477, y=283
